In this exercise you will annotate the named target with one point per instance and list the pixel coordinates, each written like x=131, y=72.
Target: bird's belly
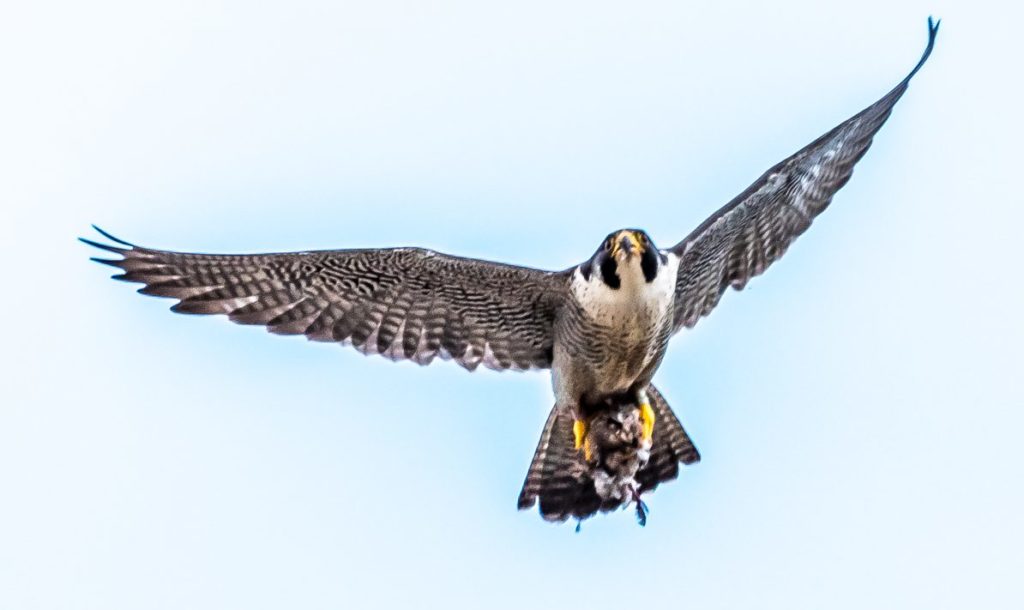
x=624, y=363
x=611, y=356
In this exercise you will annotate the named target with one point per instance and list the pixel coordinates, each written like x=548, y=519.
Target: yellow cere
x=633, y=238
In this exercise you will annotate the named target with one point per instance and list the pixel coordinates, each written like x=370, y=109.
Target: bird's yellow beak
x=626, y=245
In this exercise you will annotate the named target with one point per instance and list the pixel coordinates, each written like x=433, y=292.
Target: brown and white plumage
x=602, y=326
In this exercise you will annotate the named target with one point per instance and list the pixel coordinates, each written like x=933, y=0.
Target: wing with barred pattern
x=403, y=303
x=753, y=230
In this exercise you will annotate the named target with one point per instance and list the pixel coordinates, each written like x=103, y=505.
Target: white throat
x=635, y=296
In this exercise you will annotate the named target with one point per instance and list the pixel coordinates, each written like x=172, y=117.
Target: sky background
x=858, y=407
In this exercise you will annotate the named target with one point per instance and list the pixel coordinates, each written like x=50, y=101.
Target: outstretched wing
x=403, y=303
x=753, y=230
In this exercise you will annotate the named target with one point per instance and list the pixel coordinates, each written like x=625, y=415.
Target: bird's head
x=625, y=255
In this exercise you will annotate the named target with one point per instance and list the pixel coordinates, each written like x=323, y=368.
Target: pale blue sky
x=858, y=408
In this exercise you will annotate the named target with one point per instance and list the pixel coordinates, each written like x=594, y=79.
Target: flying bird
x=602, y=327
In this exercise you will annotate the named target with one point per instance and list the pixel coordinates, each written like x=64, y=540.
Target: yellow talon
x=647, y=421
x=579, y=432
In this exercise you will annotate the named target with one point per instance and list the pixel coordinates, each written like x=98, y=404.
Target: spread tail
x=562, y=482
x=672, y=445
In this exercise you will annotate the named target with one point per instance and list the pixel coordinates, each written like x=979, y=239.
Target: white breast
x=636, y=305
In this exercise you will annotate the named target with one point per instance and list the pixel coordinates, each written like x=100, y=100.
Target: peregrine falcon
x=601, y=326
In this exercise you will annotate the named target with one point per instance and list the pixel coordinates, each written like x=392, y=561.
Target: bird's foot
x=579, y=432
x=581, y=440
x=646, y=421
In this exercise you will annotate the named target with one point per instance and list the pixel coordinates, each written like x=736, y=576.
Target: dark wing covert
x=403, y=303
x=752, y=231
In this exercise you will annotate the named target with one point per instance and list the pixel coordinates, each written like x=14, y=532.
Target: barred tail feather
x=561, y=480
x=672, y=445
x=558, y=476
